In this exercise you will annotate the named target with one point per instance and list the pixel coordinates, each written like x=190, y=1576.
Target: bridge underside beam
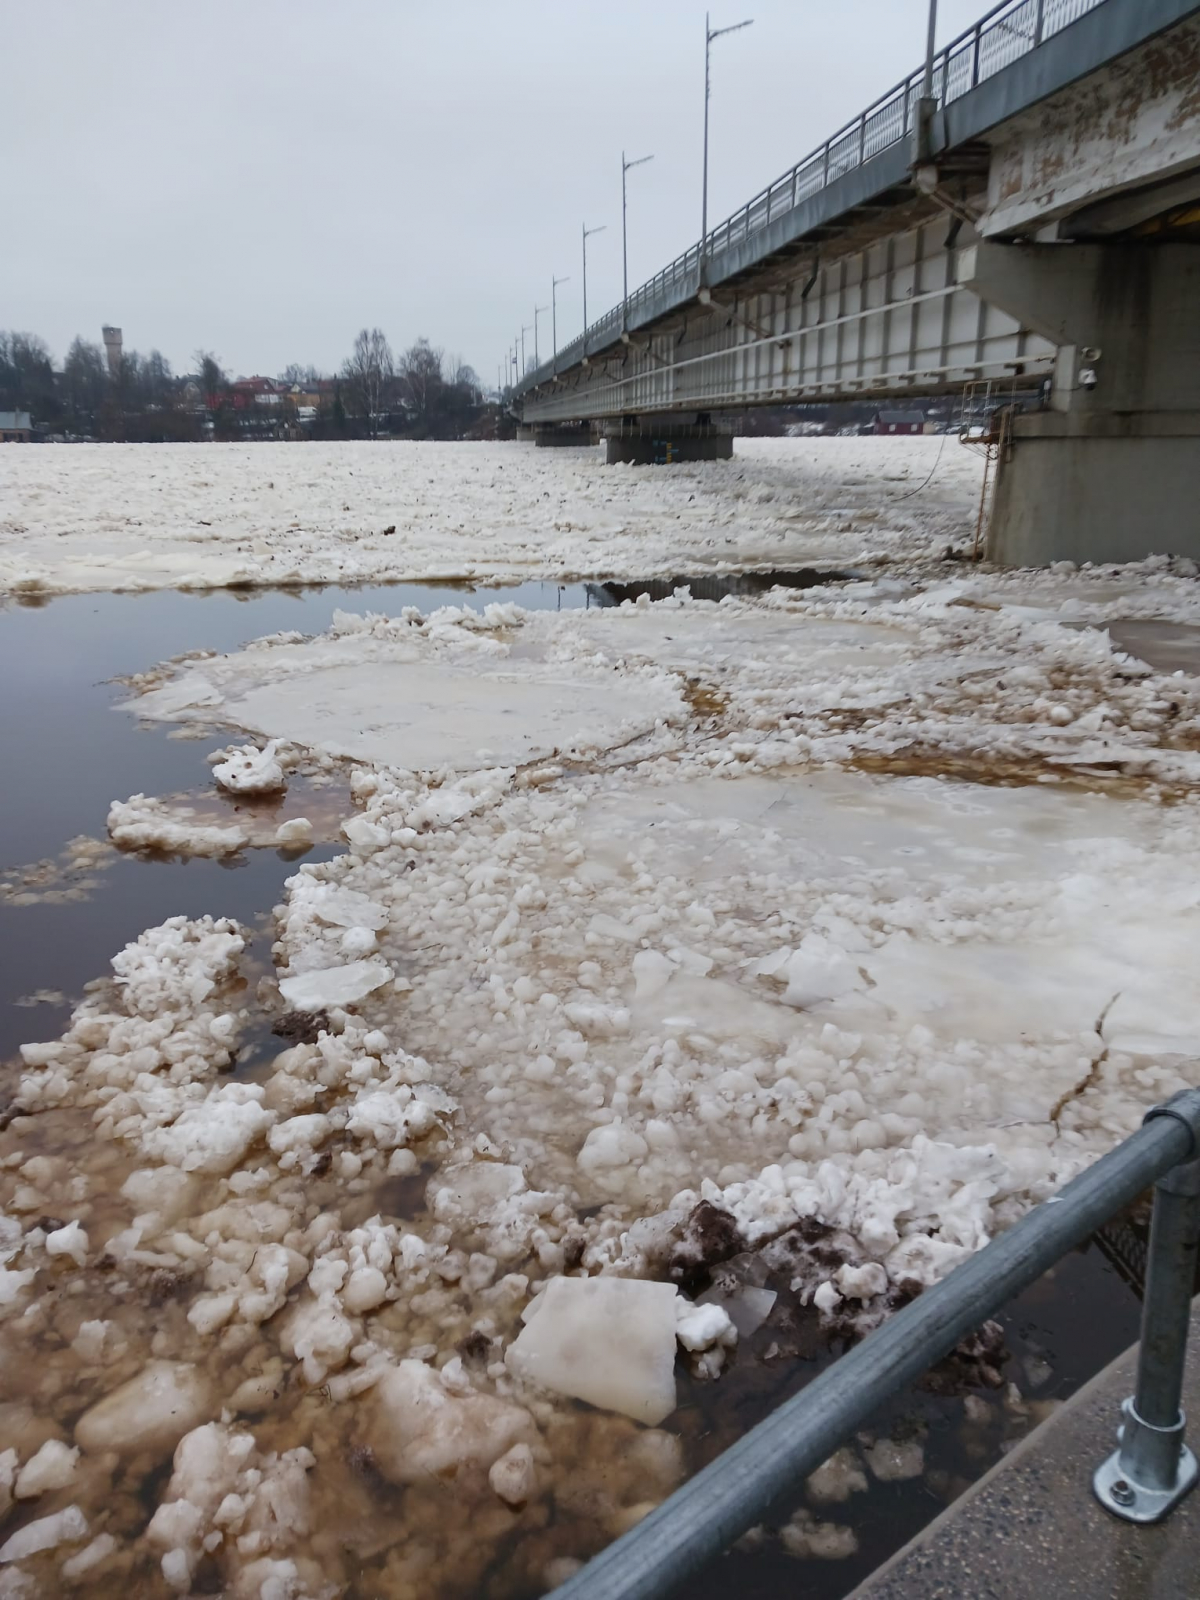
x=1111, y=471
x=884, y=319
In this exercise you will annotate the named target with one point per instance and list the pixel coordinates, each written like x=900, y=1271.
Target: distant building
x=248, y=392
x=112, y=349
x=16, y=427
x=899, y=422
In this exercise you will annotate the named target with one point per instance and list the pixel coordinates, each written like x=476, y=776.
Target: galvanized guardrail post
x=704, y=1517
x=1152, y=1469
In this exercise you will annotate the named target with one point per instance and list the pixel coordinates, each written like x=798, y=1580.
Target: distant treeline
x=424, y=394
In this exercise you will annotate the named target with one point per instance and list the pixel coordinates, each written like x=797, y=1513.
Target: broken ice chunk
x=214, y=1135
x=747, y=1307
x=248, y=770
x=699, y=1327
x=344, y=908
x=895, y=1461
x=609, y=1341
x=418, y=1430
x=293, y=833
x=365, y=836
x=512, y=1476
x=334, y=986
x=151, y=1412
x=69, y=1241
x=61, y=1528
x=818, y=970
x=863, y=1282
x=52, y=1467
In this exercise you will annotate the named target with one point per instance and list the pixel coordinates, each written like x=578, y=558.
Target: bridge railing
x=1008, y=31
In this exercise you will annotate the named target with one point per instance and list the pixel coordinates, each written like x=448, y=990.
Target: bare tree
x=421, y=384
x=214, y=385
x=368, y=374
x=85, y=382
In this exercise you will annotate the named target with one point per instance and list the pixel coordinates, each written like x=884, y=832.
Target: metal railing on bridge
x=1010, y=30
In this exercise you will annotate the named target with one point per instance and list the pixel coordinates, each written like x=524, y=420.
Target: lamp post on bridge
x=710, y=33
x=927, y=104
x=537, y=312
x=554, y=283
x=625, y=167
x=526, y=329
x=587, y=234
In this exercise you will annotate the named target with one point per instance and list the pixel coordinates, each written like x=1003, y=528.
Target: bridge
x=1021, y=216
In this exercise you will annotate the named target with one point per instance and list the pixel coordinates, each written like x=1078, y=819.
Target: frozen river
x=738, y=965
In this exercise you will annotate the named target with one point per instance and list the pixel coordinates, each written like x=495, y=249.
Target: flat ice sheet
x=402, y=714
x=1115, y=918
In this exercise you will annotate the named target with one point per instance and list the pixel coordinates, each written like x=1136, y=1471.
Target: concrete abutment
x=1110, y=470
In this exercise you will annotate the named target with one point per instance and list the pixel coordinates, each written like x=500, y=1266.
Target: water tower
x=112, y=347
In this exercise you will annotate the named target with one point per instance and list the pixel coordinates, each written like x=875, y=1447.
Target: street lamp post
x=554, y=283
x=537, y=312
x=710, y=33
x=587, y=234
x=526, y=329
x=927, y=105
x=625, y=166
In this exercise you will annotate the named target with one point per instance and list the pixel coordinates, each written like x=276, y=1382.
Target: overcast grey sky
x=264, y=177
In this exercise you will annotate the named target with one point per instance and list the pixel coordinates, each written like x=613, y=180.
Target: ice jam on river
x=698, y=979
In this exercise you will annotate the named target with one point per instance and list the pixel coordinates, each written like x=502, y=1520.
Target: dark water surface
x=70, y=750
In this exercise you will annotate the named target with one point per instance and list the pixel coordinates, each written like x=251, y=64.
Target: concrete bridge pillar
x=664, y=441
x=548, y=435
x=1110, y=471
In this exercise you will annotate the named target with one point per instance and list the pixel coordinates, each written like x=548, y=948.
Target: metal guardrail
x=1010, y=30
x=1149, y=1472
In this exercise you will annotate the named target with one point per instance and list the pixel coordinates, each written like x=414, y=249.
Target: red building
x=899, y=422
x=247, y=392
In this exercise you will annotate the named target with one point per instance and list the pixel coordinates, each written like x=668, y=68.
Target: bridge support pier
x=1116, y=488
x=664, y=441
x=548, y=435
x=1110, y=471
